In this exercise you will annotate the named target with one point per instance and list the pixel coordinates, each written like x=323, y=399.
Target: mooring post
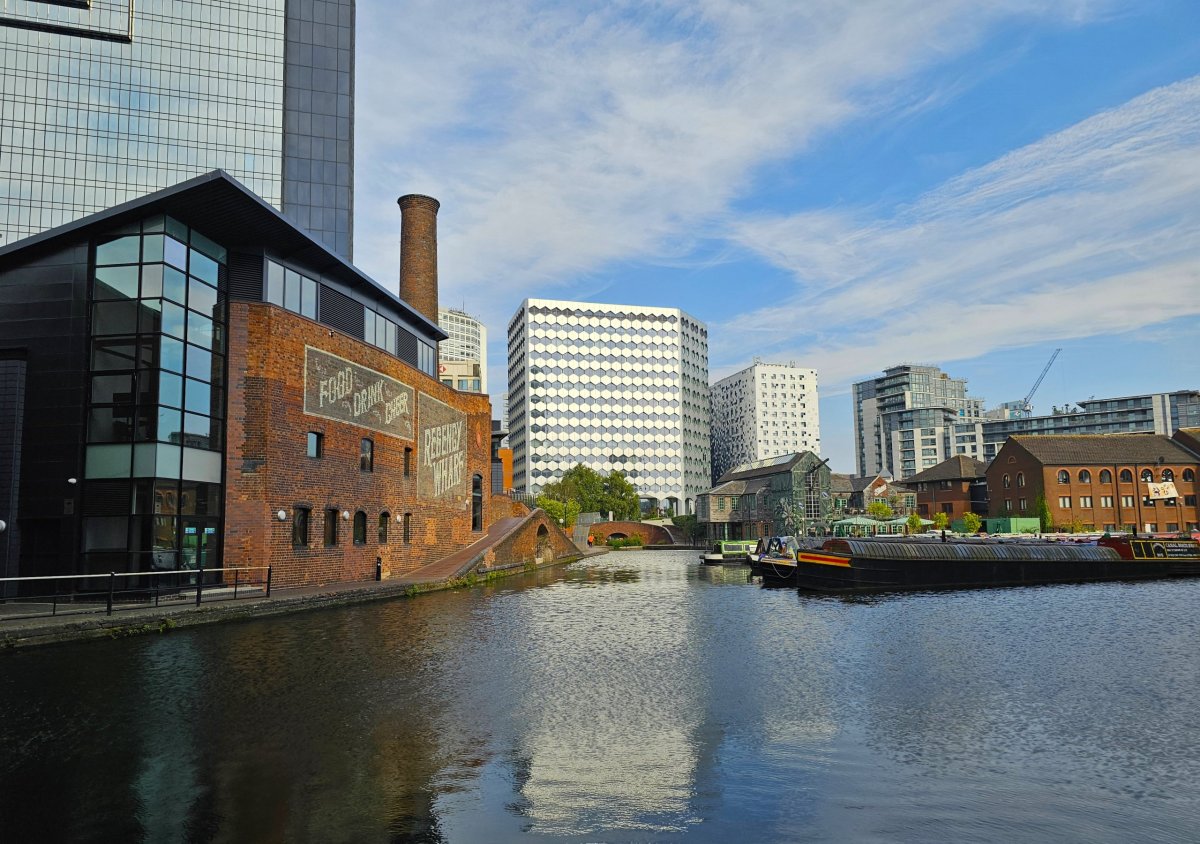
x=199, y=582
x=378, y=569
x=268, y=581
x=112, y=579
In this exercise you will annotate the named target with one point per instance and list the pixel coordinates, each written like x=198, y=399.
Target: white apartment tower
x=462, y=357
x=612, y=387
x=766, y=410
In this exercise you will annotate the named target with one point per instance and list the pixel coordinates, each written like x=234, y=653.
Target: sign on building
x=335, y=388
x=441, y=450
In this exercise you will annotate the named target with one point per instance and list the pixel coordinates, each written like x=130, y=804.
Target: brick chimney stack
x=418, y=253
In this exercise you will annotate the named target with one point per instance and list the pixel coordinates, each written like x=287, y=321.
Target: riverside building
x=620, y=387
x=763, y=411
x=188, y=380
x=108, y=100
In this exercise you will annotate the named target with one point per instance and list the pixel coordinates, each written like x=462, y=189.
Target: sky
x=843, y=184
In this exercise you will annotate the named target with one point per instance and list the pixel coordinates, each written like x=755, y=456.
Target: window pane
x=112, y=389
x=199, y=363
x=110, y=424
x=116, y=283
x=152, y=248
x=114, y=318
x=170, y=354
x=172, y=319
x=170, y=389
x=202, y=298
x=200, y=330
x=198, y=397
x=291, y=291
x=123, y=250
x=170, y=425
x=274, y=283
x=152, y=280
x=203, y=267
x=174, y=284
x=197, y=431
x=175, y=253
x=308, y=299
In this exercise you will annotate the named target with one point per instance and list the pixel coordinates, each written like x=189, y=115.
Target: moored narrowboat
x=729, y=552
x=857, y=565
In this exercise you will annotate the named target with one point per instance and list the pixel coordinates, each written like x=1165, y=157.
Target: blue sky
x=847, y=184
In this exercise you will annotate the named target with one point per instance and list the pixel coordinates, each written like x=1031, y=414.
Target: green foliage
x=879, y=510
x=1076, y=525
x=941, y=520
x=971, y=522
x=591, y=492
x=562, y=512
x=692, y=529
x=625, y=542
x=914, y=523
x=1042, y=510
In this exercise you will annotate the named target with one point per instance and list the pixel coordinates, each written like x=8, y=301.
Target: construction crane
x=1027, y=402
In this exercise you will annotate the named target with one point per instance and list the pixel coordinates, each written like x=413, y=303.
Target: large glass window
x=291, y=290
x=158, y=316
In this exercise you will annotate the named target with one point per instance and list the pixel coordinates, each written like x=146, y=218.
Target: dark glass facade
x=105, y=103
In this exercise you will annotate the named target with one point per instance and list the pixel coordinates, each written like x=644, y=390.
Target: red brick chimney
x=418, y=253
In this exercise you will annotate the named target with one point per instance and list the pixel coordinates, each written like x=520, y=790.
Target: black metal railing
x=65, y=594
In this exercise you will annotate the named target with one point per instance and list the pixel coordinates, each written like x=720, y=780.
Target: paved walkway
x=216, y=606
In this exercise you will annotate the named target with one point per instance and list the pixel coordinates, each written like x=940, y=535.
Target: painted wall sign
x=441, y=450
x=337, y=389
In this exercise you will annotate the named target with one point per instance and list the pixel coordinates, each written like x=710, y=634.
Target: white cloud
x=1094, y=230
x=563, y=137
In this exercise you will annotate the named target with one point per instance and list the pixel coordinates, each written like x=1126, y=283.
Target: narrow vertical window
x=300, y=526
x=384, y=518
x=408, y=453
x=366, y=456
x=477, y=502
x=331, y=526
x=360, y=528
x=316, y=444
x=407, y=534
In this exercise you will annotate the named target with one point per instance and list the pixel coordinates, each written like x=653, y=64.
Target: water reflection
x=632, y=697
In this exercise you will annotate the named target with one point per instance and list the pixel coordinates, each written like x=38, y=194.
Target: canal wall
x=650, y=534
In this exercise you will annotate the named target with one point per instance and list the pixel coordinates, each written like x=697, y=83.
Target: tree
x=941, y=520
x=691, y=528
x=971, y=522
x=914, y=523
x=879, y=510
x=563, y=512
x=591, y=492
x=1042, y=509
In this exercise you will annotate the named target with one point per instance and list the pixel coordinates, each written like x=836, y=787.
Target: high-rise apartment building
x=105, y=101
x=904, y=421
x=462, y=357
x=766, y=410
x=612, y=387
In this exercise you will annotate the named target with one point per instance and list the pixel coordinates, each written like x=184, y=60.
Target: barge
x=729, y=552
x=861, y=565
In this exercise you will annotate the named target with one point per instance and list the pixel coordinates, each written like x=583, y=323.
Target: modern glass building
x=463, y=355
x=102, y=101
x=619, y=387
x=765, y=410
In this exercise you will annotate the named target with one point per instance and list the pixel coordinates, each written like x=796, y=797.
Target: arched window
x=477, y=502
x=1064, y=477
x=384, y=518
x=1147, y=476
x=1007, y=482
x=1189, y=475
x=1105, y=476
x=1020, y=479
x=360, y=528
x=1167, y=476
x=1126, y=476
x=1085, y=477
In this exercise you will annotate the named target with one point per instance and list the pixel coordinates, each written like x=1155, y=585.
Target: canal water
x=632, y=697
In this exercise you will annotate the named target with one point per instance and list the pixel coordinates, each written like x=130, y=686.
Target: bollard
x=112, y=577
x=199, y=582
x=378, y=569
x=268, y=581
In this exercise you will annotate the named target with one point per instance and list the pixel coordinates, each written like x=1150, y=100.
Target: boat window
x=1064, y=477
x=1085, y=477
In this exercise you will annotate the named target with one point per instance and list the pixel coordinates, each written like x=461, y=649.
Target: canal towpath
x=450, y=571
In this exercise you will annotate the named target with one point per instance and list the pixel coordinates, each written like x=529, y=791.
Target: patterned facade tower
x=418, y=253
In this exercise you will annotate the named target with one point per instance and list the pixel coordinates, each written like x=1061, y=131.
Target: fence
x=93, y=593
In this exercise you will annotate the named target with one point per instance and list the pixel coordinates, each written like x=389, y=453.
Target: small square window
x=316, y=444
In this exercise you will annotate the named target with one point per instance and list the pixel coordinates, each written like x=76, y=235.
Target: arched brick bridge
x=650, y=534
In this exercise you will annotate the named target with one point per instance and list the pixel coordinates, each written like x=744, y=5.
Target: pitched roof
x=767, y=466
x=1091, y=449
x=957, y=468
x=1189, y=438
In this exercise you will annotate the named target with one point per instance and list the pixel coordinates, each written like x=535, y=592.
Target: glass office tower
x=102, y=101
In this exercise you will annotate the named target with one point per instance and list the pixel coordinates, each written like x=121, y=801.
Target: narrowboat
x=859, y=565
x=774, y=556
x=729, y=552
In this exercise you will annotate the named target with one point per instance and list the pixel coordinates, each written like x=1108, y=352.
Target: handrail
x=198, y=573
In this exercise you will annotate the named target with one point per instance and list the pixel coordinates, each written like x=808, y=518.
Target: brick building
x=955, y=487
x=1130, y=482
x=201, y=383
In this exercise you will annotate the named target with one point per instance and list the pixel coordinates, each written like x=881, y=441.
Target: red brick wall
x=933, y=498
x=650, y=534
x=267, y=468
x=522, y=545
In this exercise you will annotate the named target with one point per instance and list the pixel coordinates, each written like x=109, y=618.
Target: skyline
x=861, y=186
